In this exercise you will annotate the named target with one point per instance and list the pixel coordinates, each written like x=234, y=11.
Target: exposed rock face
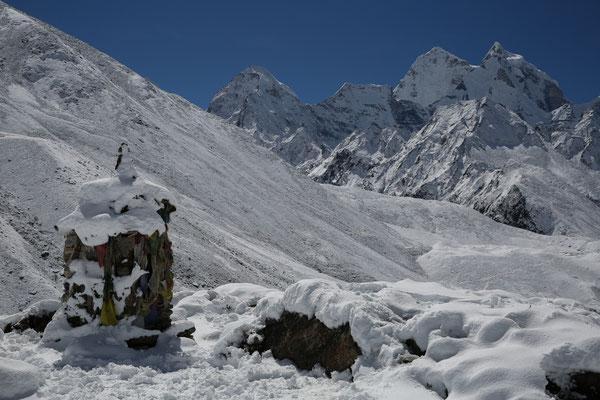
x=37, y=322
x=142, y=342
x=575, y=132
x=354, y=162
x=308, y=342
x=581, y=385
x=511, y=209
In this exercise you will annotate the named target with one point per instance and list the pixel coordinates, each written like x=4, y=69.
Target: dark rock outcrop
x=511, y=209
x=37, y=322
x=308, y=342
x=582, y=385
x=188, y=333
x=142, y=342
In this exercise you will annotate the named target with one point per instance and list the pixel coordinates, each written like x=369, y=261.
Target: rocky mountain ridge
x=490, y=136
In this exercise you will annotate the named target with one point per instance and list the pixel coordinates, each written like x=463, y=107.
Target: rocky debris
x=413, y=348
x=187, y=333
x=142, y=342
x=573, y=370
x=35, y=317
x=580, y=385
x=307, y=342
x=32, y=321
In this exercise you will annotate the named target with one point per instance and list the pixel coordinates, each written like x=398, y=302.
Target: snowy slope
x=463, y=248
x=243, y=215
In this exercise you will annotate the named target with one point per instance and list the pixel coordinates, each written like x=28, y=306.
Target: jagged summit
x=265, y=77
x=439, y=77
x=498, y=51
x=351, y=87
x=255, y=79
x=433, y=75
x=439, y=52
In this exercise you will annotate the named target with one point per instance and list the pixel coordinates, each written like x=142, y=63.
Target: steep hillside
x=244, y=214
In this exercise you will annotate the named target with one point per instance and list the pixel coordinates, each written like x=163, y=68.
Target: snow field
x=18, y=379
x=478, y=345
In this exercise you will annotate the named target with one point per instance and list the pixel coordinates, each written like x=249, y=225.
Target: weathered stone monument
x=117, y=252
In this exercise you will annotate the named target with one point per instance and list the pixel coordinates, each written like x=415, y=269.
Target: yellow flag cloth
x=108, y=316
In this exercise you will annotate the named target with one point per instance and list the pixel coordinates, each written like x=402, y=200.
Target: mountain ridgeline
x=499, y=137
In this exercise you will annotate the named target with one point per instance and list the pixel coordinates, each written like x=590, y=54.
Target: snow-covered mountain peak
x=362, y=90
x=498, y=51
x=256, y=100
x=432, y=76
x=362, y=103
x=253, y=80
x=438, y=53
x=439, y=77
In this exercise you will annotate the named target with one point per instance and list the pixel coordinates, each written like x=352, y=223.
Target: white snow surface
x=478, y=344
x=18, y=379
x=465, y=249
x=100, y=204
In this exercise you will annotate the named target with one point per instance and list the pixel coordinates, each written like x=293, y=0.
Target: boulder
x=36, y=317
x=307, y=342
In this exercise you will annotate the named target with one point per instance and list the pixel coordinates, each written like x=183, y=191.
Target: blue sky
x=193, y=48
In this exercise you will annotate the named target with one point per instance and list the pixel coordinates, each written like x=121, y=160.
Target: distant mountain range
x=499, y=137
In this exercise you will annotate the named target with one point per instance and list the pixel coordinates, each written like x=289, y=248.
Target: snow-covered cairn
x=117, y=252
